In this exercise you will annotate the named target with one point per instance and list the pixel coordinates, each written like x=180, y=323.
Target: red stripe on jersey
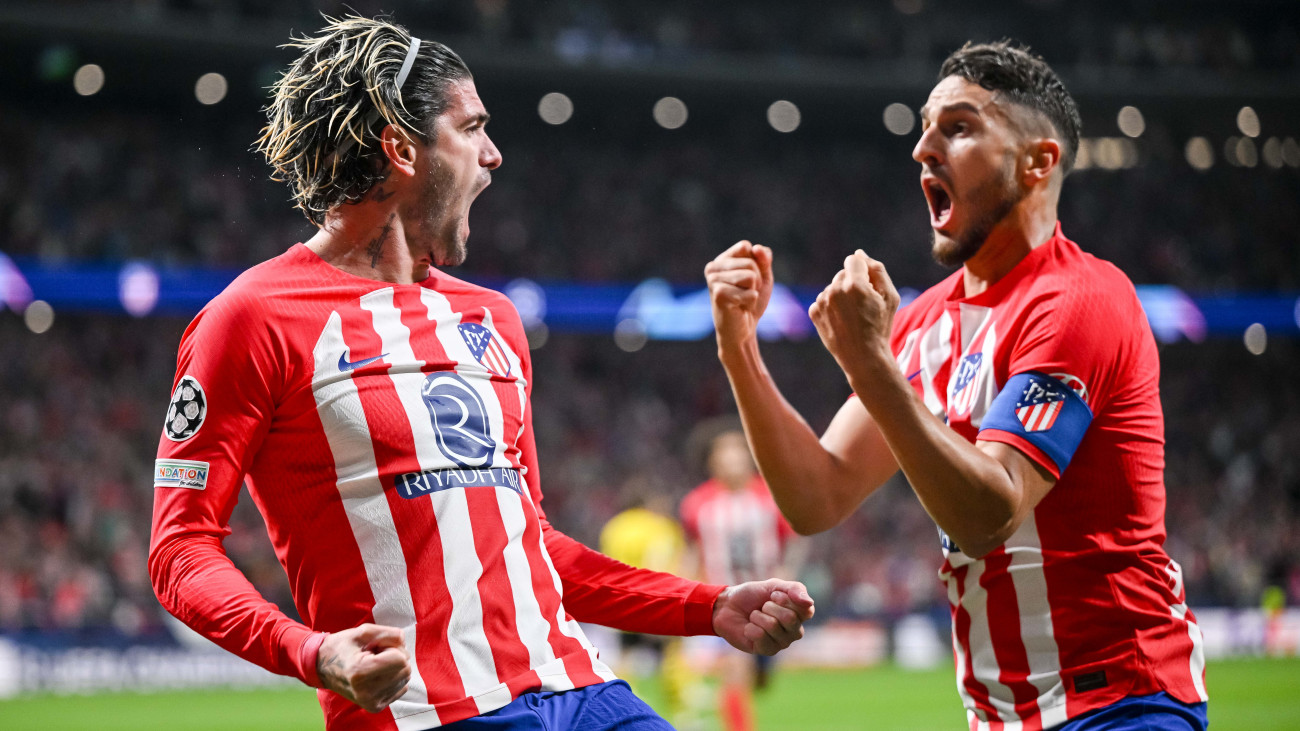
x=396, y=452
x=508, y=396
x=529, y=681
x=499, y=622
x=577, y=663
x=978, y=692
x=1004, y=633
x=310, y=572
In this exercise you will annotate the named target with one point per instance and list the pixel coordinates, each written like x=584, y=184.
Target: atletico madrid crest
x=963, y=392
x=1040, y=404
x=485, y=348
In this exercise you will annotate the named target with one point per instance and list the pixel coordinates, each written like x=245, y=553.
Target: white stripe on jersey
x=973, y=319
x=405, y=373
x=985, y=383
x=959, y=652
x=422, y=721
x=474, y=373
x=462, y=569
x=1036, y=631
x=974, y=599
x=1197, y=664
x=533, y=627
x=364, y=502
x=570, y=628
x=905, y=353
x=936, y=347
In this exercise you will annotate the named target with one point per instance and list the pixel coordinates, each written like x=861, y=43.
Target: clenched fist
x=855, y=313
x=740, y=285
x=368, y=665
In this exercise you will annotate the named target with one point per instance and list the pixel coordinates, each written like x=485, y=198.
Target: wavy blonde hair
x=330, y=106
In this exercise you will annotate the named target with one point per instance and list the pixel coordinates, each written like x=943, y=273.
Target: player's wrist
x=871, y=373
x=738, y=352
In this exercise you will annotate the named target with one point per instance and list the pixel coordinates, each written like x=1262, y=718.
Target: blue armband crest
x=1044, y=412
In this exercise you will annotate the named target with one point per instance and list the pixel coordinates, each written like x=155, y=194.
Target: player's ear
x=1042, y=156
x=398, y=148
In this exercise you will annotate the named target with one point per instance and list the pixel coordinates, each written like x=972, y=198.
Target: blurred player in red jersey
x=737, y=533
x=380, y=411
x=1019, y=397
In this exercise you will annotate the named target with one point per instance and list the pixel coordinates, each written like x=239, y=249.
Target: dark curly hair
x=323, y=125
x=1022, y=78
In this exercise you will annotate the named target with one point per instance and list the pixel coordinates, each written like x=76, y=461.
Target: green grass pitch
x=1256, y=694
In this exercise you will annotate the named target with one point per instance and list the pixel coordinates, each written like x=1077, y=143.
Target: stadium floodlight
x=630, y=335
x=1246, y=153
x=39, y=316
x=1256, y=339
x=89, y=79
x=1248, y=122
x=784, y=116
x=670, y=112
x=1199, y=153
x=555, y=108
x=1291, y=152
x=1131, y=122
x=1272, y=153
x=899, y=119
x=210, y=88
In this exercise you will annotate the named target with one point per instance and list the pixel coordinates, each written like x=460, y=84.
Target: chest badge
x=484, y=347
x=964, y=388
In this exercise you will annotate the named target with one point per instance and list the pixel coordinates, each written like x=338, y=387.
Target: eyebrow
x=958, y=106
x=481, y=118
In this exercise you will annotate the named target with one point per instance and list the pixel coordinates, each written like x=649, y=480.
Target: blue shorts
x=1159, y=712
x=594, y=708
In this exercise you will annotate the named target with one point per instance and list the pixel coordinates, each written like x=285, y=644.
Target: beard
x=992, y=200
x=440, y=227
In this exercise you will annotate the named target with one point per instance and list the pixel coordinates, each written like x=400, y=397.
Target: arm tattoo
x=376, y=246
x=330, y=668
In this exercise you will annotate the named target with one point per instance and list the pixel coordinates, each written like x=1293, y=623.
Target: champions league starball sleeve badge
x=188, y=408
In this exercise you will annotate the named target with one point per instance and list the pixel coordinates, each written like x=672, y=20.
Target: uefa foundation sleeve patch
x=1043, y=411
x=180, y=473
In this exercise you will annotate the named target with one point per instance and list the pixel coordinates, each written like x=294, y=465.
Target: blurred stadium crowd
x=81, y=406
x=116, y=187
x=1212, y=36
x=82, y=412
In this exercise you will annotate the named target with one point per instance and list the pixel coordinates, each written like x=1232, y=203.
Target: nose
x=927, y=150
x=489, y=156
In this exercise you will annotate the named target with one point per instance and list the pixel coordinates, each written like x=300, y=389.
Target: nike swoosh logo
x=344, y=365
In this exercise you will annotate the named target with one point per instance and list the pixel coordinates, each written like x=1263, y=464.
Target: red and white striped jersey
x=741, y=534
x=1081, y=606
x=385, y=432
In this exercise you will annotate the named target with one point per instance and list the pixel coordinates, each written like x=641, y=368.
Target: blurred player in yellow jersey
x=646, y=535
x=735, y=530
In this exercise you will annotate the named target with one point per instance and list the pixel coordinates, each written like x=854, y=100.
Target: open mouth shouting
x=939, y=197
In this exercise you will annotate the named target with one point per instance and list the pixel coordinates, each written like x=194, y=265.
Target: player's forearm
x=806, y=480
x=968, y=493
x=195, y=581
